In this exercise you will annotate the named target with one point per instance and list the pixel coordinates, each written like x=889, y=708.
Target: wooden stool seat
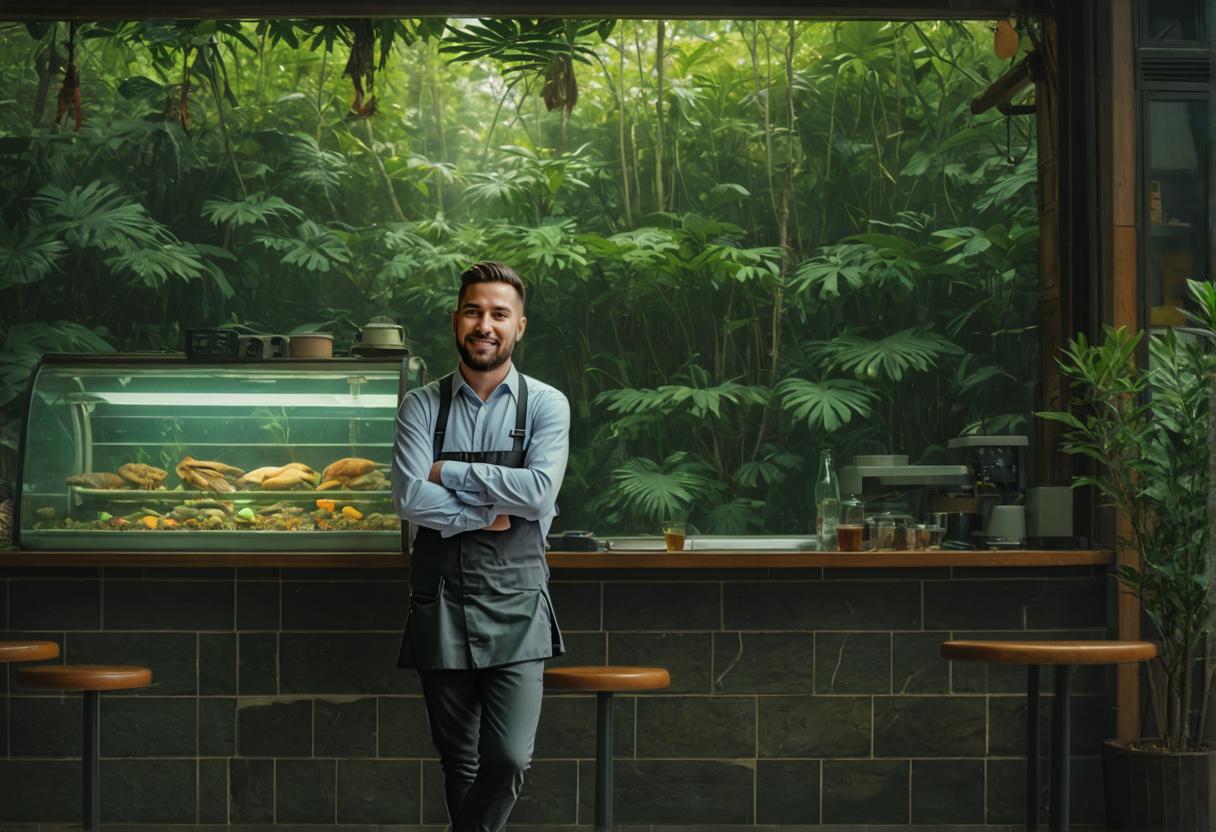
x=84, y=677
x=1049, y=652
x=604, y=681
x=1063, y=656
x=27, y=651
x=91, y=680
x=608, y=678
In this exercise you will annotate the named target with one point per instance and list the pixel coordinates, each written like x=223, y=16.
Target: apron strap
x=521, y=415
x=445, y=407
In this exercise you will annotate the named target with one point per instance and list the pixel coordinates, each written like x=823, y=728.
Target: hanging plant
x=546, y=46
x=361, y=66
x=69, y=93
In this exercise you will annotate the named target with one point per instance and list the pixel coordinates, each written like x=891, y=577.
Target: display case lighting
x=247, y=400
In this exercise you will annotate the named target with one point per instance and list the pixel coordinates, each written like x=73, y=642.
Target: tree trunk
x=620, y=114
x=658, y=105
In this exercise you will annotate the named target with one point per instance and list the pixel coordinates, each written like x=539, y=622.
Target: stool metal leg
x=1061, y=729
x=1032, y=747
x=90, y=751
x=603, y=760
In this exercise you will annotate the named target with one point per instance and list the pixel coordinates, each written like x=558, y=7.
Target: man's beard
x=485, y=365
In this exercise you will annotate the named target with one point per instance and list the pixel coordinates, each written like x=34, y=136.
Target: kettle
x=380, y=334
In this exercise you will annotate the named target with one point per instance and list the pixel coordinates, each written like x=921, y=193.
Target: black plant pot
x=1159, y=791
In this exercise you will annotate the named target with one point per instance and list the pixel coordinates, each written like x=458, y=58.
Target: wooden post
x=1125, y=294
x=1054, y=467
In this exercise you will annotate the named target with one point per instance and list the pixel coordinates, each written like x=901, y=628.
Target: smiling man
x=478, y=462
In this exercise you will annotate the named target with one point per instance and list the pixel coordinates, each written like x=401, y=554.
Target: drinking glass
x=886, y=534
x=673, y=535
x=850, y=532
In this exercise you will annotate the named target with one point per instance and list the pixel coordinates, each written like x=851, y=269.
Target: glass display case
x=160, y=453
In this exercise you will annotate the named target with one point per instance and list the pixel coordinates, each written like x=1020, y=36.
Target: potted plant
x=1149, y=432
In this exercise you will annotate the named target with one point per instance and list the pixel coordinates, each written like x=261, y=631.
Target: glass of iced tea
x=673, y=535
x=850, y=531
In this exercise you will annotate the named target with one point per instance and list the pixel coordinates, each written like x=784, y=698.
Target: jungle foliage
x=744, y=241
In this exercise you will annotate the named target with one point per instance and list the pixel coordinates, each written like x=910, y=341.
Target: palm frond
x=826, y=405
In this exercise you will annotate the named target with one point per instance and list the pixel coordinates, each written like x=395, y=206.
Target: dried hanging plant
x=561, y=87
x=361, y=65
x=69, y=93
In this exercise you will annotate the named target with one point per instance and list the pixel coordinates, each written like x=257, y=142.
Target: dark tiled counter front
x=801, y=694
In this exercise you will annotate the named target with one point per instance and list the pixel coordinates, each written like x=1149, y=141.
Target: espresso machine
x=997, y=508
x=900, y=492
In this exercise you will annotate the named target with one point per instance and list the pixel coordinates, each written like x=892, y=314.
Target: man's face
x=488, y=323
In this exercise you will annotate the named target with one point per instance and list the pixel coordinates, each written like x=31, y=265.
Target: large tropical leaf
x=100, y=216
x=826, y=405
x=915, y=349
x=26, y=342
x=656, y=490
x=27, y=257
x=253, y=209
x=155, y=266
x=675, y=399
x=316, y=249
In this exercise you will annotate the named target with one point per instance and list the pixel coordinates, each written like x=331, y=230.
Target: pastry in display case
x=163, y=453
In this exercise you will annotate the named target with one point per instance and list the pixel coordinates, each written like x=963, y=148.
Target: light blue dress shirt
x=472, y=494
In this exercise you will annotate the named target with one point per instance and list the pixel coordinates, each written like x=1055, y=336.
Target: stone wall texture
x=799, y=697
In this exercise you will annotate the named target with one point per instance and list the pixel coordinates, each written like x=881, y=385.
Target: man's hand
x=434, y=475
x=501, y=523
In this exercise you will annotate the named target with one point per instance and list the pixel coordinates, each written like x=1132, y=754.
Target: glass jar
x=850, y=530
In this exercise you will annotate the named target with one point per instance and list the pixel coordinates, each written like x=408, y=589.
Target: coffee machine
x=888, y=484
x=997, y=465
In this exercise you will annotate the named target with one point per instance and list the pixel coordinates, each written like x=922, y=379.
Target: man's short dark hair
x=490, y=271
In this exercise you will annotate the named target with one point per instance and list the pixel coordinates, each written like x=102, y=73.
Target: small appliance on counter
x=572, y=541
x=887, y=483
x=231, y=343
x=998, y=470
x=380, y=337
x=1049, y=516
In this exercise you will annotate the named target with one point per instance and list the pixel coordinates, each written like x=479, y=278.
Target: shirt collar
x=511, y=383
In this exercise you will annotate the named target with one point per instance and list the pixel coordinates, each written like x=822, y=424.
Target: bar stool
x=605, y=680
x=91, y=680
x=27, y=651
x=1063, y=655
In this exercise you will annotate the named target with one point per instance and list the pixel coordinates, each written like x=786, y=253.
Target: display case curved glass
x=162, y=453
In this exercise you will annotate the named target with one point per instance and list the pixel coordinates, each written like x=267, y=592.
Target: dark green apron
x=480, y=599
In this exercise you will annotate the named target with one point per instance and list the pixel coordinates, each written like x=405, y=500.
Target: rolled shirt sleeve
x=529, y=492
x=417, y=500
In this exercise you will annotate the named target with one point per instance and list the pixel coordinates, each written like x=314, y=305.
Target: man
x=478, y=462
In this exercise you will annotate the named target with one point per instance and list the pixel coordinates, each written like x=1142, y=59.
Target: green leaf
x=826, y=405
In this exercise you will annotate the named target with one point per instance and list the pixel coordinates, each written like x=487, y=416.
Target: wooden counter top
x=708, y=559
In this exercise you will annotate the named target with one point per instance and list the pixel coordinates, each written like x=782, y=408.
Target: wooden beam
x=1125, y=295
x=695, y=9
x=1053, y=464
x=1022, y=75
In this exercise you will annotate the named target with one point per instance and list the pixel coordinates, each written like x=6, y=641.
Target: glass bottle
x=827, y=503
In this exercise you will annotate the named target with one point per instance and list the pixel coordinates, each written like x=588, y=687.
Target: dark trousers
x=483, y=723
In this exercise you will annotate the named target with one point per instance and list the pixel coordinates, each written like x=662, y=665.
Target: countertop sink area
x=716, y=543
